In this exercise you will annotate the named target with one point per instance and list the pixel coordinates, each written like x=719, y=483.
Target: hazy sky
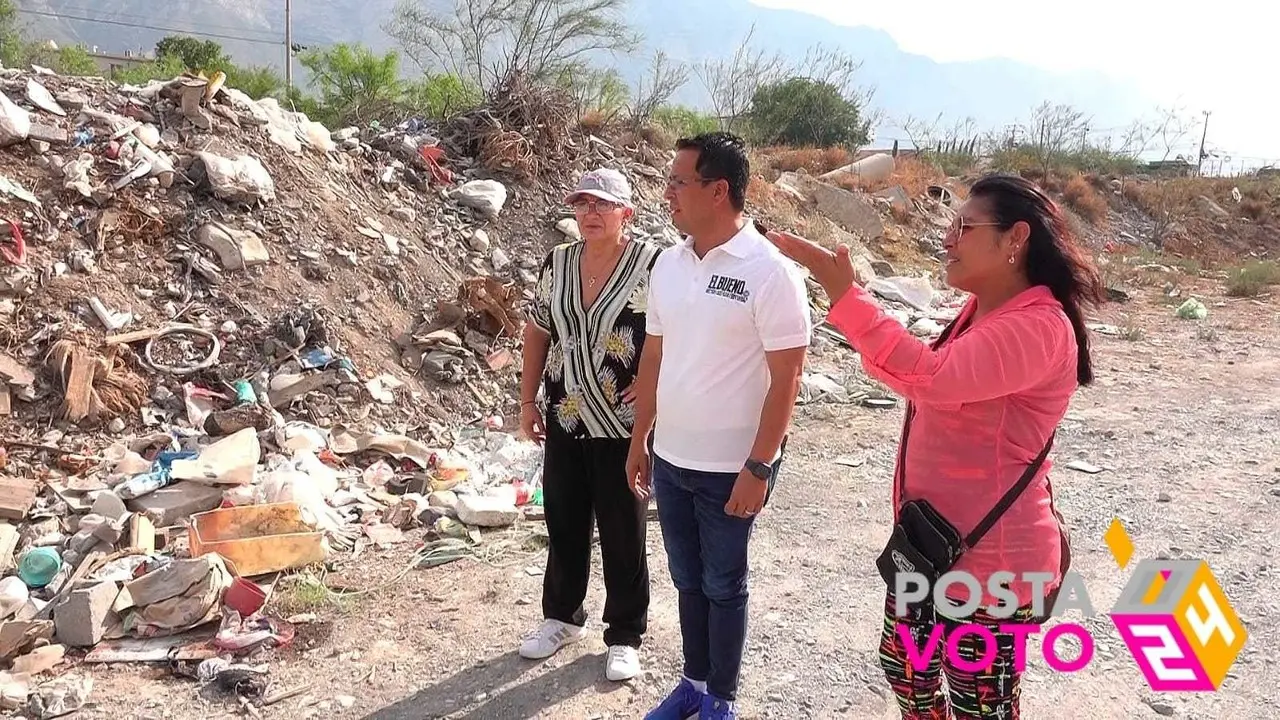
x=1222, y=57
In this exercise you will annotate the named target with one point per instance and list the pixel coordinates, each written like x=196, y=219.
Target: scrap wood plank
x=17, y=495
x=79, y=386
x=14, y=372
x=134, y=336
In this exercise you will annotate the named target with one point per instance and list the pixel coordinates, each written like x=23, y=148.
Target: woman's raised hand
x=833, y=270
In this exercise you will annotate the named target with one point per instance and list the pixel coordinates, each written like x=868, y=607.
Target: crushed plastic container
x=258, y=539
x=39, y=566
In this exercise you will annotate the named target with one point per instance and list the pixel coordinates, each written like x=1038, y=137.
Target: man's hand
x=748, y=495
x=639, y=468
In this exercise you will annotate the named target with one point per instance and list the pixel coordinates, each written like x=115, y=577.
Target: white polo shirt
x=718, y=316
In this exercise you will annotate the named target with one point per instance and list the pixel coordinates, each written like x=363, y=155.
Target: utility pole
x=288, y=44
x=1200, y=160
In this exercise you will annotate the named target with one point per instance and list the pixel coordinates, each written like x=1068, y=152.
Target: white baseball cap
x=604, y=183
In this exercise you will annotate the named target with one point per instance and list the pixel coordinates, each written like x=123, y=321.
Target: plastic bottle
x=143, y=484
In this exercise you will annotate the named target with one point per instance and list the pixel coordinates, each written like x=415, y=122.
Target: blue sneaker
x=713, y=708
x=683, y=702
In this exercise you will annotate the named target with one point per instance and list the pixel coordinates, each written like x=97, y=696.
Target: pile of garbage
x=189, y=287
x=168, y=546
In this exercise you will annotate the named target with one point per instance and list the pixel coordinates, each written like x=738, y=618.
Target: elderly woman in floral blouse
x=583, y=349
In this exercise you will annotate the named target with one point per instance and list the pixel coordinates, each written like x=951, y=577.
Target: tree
x=482, y=41
x=656, y=89
x=806, y=112
x=10, y=38
x=442, y=96
x=355, y=85
x=257, y=82
x=196, y=55
x=1054, y=131
x=732, y=82
x=593, y=90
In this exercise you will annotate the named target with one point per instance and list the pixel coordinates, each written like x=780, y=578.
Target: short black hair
x=722, y=156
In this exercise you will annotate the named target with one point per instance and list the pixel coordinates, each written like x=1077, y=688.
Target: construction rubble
x=235, y=344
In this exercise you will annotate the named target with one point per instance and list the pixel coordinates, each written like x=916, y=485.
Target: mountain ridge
x=994, y=92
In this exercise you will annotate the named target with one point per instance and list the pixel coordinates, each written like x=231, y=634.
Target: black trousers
x=584, y=483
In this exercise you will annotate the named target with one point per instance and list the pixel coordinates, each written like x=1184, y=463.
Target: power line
x=221, y=36
x=230, y=28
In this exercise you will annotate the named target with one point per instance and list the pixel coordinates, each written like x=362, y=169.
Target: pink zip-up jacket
x=986, y=403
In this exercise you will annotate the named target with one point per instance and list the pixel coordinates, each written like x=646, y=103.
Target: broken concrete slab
x=49, y=134
x=896, y=196
x=848, y=210
x=168, y=506
x=9, y=535
x=236, y=249
x=84, y=617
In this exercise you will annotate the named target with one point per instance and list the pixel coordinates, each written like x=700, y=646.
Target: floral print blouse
x=594, y=353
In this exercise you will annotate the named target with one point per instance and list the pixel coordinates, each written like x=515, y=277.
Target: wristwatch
x=757, y=468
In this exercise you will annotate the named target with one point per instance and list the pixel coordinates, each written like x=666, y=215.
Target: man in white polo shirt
x=727, y=330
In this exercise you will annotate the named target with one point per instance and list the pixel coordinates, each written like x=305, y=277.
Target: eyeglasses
x=596, y=205
x=960, y=226
x=679, y=184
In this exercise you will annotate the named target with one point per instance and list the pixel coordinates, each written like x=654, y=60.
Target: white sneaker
x=622, y=663
x=549, y=638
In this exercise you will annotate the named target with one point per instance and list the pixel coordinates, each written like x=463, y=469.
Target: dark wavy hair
x=1054, y=259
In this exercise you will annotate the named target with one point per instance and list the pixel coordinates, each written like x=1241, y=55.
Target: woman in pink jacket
x=983, y=403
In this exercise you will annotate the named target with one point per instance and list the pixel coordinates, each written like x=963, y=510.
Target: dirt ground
x=1182, y=418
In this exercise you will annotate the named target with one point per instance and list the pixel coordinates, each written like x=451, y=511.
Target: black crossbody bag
x=923, y=541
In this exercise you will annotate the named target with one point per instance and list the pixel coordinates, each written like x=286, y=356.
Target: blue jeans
x=707, y=555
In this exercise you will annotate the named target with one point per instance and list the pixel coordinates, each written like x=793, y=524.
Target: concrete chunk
x=168, y=506
x=486, y=511
x=85, y=616
x=49, y=134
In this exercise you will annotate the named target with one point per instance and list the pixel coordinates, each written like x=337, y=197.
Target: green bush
x=684, y=121
x=803, y=112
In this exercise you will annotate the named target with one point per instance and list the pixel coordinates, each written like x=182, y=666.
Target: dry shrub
x=815, y=161
x=658, y=136
x=1254, y=209
x=1082, y=196
x=1132, y=192
x=1252, y=279
x=593, y=122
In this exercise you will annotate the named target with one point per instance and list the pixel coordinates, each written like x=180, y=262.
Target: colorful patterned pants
x=989, y=694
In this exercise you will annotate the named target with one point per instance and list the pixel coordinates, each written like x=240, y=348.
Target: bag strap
x=1009, y=498
x=1011, y=495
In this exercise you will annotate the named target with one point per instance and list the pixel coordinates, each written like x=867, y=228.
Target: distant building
x=109, y=63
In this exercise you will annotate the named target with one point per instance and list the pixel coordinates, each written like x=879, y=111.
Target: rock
x=446, y=499
x=84, y=617
x=108, y=505
x=500, y=260
x=883, y=269
x=15, y=122
x=48, y=134
x=816, y=387
x=345, y=134
x=896, y=196
x=1164, y=497
x=926, y=327
x=1160, y=708
x=236, y=249
x=405, y=214
x=913, y=291
x=487, y=196
x=569, y=228
x=479, y=241
x=486, y=511
x=346, y=701
x=40, y=147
